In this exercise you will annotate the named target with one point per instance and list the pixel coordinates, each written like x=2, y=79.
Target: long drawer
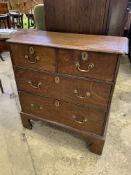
x=71, y=115
x=35, y=57
x=100, y=66
x=78, y=91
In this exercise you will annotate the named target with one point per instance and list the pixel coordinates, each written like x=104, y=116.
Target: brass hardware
x=36, y=106
x=41, y=108
x=79, y=120
x=31, y=51
x=32, y=58
x=38, y=86
x=36, y=59
x=57, y=103
x=84, y=56
x=88, y=94
x=32, y=105
x=57, y=80
x=90, y=66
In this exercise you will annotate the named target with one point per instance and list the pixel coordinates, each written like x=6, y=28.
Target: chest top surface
x=94, y=43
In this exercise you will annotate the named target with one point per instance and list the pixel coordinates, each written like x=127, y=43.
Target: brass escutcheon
x=57, y=80
x=31, y=57
x=84, y=56
x=57, y=103
x=31, y=50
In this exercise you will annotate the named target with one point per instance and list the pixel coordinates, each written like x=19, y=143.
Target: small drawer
x=77, y=91
x=36, y=57
x=87, y=64
x=61, y=112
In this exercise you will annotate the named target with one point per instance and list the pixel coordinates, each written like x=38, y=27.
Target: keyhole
x=84, y=56
x=31, y=50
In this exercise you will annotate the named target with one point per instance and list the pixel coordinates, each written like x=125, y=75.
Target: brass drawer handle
x=28, y=59
x=79, y=120
x=57, y=80
x=38, y=86
x=57, y=103
x=90, y=66
x=31, y=57
x=36, y=106
x=88, y=94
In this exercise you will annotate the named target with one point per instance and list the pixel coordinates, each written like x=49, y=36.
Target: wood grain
x=63, y=113
x=46, y=57
x=118, y=17
x=91, y=43
x=104, y=64
x=86, y=16
x=77, y=16
x=95, y=142
x=64, y=90
x=53, y=89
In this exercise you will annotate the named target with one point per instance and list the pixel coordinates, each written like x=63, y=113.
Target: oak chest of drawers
x=67, y=80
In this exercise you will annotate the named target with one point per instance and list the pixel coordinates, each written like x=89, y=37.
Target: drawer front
x=72, y=90
x=36, y=57
x=68, y=114
x=87, y=64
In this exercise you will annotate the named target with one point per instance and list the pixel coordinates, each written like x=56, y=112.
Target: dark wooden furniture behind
x=86, y=16
x=128, y=28
x=4, y=21
x=3, y=8
x=4, y=15
x=67, y=80
x=118, y=17
x=77, y=16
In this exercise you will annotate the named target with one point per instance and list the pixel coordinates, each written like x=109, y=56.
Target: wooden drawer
x=68, y=114
x=78, y=91
x=87, y=64
x=36, y=57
